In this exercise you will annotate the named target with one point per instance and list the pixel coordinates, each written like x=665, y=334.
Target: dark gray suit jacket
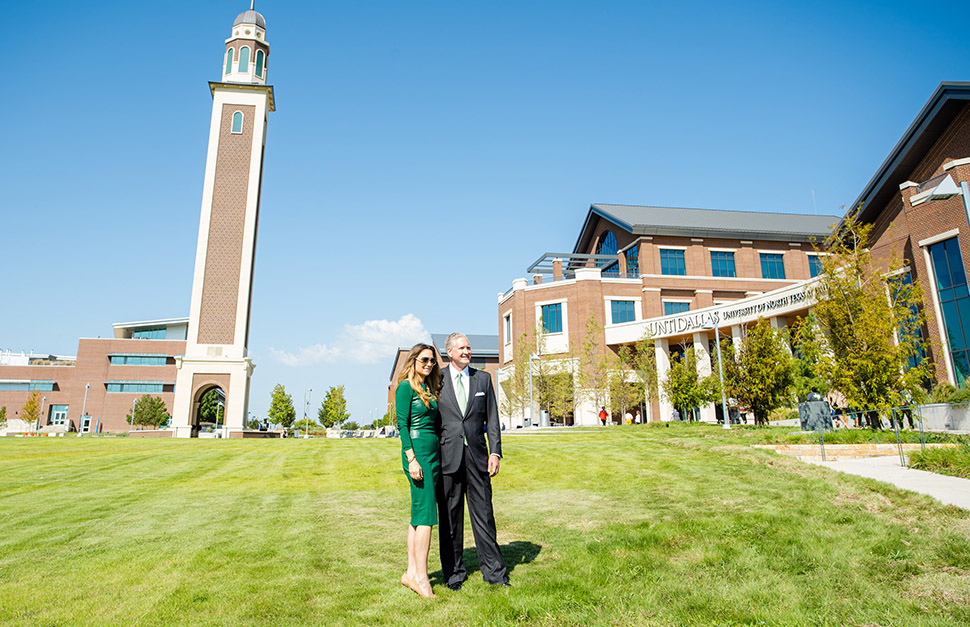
x=481, y=415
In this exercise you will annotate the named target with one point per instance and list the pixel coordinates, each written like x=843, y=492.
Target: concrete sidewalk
x=946, y=489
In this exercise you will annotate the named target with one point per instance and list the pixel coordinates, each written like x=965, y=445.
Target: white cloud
x=371, y=342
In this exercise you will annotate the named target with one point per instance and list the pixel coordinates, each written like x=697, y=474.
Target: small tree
x=759, y=373
x=350, y=426
x=281, y=407
x=515, y=387
x=625, y=390
x=305, y=425
x=209, y=406
x=150, y=411
x=808, y=352
x=253, y=424
x=551, y=391
x=684, y=387
x=390, y=418
x=594, y=364
x=872, y=323
x=3, y=416
x=333, y=409
x=30, y=414
x=641, y=359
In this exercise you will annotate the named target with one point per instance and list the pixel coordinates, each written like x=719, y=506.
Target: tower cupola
x=247, y=52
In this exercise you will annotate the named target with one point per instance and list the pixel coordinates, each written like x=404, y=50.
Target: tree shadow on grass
x=514, y=553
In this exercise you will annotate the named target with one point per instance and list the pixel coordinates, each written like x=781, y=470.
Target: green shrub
x=946, y=461
x=941, y=392
x=959, y=396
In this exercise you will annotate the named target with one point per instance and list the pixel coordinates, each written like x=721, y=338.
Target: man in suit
x=468, y=412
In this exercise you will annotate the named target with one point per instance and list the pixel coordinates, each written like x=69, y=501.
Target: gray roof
x=712, y=223
x=946, y=103
x=482, y=345
x=250, y=17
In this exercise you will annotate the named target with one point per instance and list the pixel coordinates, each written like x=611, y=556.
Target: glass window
x=14, y=386
x=508, y=329
x=623, y=311
x=244, y=59
x=632, y=262
x=814, y=265
x=722, y=263
x=897, y=283
x=608, y=247
x=259, y=63
x=672, y=262
x=951, y=288
x=229, y=60
x=237, y=121
x=58, y=414
x=552, y=318
x=157, y=333
x=138, y=360
x=135, y=387
x=675, y=308
x=772, y=266
x=41, y=386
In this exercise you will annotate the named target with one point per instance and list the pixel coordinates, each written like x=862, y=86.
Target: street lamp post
x=134, y=402
x=306, y=420
x=84, y=407
x=220, y=411
x=41, y=416
x=720, y=372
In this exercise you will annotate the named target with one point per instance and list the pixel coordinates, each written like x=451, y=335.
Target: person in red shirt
x=603, y=415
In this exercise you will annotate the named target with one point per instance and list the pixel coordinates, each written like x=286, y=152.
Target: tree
x=515, y=386
x=390, y=418
x=625, y=390
x=684, y=387
x=808, y=351
x=641, y=359
x=333, y=409
x=305, y=424
x=871, y=321
x=552, y=379
x=350, y=426
x=594, y=364
x=281, y=407
x=759, y=373
x=209, y=406
x=3, y=416
x=30, y=414
x=253, y=424
x=150, y=411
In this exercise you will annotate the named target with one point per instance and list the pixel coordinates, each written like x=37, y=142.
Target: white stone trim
x=669, y=247
x=935, y=239
x=908, y=184
x=608, y=312
x=952, y=164
x=940, y=325
x=715, y=278
x=554, y=342
x=723, y=250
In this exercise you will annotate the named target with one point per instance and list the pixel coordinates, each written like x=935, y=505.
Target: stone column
x=703, y=354
x=660, y=348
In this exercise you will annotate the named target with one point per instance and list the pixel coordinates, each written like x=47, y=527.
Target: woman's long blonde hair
x=433, y=380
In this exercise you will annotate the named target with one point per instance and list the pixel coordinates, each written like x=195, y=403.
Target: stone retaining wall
x=842, y=452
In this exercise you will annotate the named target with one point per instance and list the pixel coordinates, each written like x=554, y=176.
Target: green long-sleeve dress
x=417, y=425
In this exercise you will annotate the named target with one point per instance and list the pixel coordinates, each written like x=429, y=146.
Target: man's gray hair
x=451, y=339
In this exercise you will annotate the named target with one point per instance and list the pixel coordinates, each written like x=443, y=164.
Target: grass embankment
x=620, y=526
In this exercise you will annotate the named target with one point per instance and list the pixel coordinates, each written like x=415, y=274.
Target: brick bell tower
x=216, y=351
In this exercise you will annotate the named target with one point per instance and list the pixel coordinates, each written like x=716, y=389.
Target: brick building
x=93, y=392
x=678, y=274
x=484, y=357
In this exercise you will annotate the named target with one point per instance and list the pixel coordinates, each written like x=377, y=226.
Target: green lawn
x=681, y=525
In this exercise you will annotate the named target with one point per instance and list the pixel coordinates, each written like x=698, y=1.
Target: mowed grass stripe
x=628, y=525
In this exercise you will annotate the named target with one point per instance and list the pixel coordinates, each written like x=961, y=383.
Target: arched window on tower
x=244, y=59
x=608, y=247
x=237, y=120
x=259, y=63
x=229, y=60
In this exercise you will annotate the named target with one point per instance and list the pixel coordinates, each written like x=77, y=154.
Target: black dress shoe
x=455, y=586
x=504, y=584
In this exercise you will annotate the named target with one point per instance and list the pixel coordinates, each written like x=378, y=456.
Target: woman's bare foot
x=423, y=587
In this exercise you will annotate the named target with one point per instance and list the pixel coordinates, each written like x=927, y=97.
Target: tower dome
x=250, y=17
x=247, y=51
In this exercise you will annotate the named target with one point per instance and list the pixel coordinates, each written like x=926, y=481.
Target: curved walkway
x=946, y=489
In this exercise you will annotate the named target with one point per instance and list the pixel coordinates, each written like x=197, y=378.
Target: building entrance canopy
x=796, y=298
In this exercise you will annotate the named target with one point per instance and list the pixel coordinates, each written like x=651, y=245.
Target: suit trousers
x=476, y=485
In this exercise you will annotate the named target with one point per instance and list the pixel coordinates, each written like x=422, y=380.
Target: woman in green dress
x=416, y=400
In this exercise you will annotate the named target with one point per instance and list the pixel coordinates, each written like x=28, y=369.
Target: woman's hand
x=414, y=469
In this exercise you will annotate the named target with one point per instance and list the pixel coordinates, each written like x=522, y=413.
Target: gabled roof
x=638, y=220
x=943, y=106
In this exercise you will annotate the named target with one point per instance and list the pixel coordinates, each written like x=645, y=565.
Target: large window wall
x=954, y=298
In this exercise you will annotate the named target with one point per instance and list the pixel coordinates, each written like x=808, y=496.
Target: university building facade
x=681, y=276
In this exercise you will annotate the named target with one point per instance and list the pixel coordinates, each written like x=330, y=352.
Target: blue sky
x=422, y=154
